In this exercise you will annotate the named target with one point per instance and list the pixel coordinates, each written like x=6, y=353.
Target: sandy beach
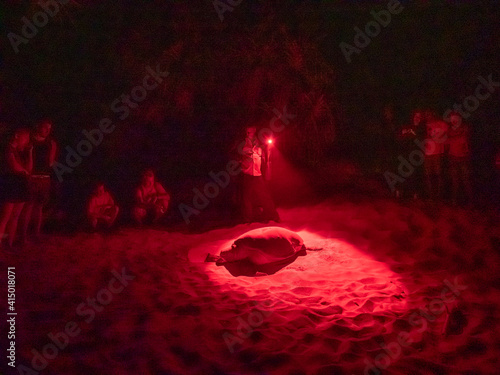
x=384, y=288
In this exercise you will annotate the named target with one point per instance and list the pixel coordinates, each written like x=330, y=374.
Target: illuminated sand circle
x=338, y=279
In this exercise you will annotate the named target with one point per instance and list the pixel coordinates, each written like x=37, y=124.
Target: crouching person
x=152, y=199
x=101, y=209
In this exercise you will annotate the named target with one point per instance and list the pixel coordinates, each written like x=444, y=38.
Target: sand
x=385, y=288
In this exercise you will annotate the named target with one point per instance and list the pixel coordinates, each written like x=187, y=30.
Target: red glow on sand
x=333, y=274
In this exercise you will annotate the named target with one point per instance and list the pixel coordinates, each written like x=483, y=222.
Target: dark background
x=224, y=75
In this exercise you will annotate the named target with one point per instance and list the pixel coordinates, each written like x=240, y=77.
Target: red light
x=269, y=141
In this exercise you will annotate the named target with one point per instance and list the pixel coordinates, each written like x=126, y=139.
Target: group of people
x=26, y=169
x=151, y=203
x=26, y=185
x=25, y=178
x=445, y=149
x=152, y=200
x=25, y=182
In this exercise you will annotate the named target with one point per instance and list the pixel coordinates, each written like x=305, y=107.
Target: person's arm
x=14, y=164
x=444, y=131
x=257, y=150
x=107, y=203
x=163, y=197
x=111, y=201
x=139, y=197
x=29, y=166
x=161, y=193
x=247, y=149
x=52, y=154
x=92, y=208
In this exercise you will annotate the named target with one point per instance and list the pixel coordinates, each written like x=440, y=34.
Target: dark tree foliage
x=223, y=75
x=226, y=74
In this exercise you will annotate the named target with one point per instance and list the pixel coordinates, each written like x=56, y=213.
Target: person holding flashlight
x=254, y=189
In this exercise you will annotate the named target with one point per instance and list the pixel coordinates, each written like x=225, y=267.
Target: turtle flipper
x=211, y=258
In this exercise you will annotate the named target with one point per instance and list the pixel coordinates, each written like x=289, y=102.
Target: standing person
x=436, y=133
x=459, y=153
x=101, y=208
x=17, y=166
x=407, y=136
x=151, y=199
x=44, y=156
x=254, y=188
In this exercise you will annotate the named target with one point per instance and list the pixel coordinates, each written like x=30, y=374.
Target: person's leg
x=139, y=214
x=428, y=175
x=37, y=215
x=414, y=185
x=4, y=219
x=32, y=212
x=113, y=215
x=439, y=175
x=466, y=180
x=160, y=209
x=433, y=175
x=266, y=202
x=25, y=219
x=419, y=180
x=158, y=212
x=455, y=180
x=93, y=222
x=109, y=216
x=41, y=199
x=164, y=203
x=235, y=188
x=14, y=218
x=247, y=199
x=408, y=188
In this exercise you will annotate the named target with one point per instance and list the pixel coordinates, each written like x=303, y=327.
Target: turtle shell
x=263, y=249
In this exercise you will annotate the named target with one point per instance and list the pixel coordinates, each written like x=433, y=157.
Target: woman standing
x=16, y=168
x=44, y=155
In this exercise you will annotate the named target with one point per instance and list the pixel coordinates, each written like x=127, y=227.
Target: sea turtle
x=261, y=251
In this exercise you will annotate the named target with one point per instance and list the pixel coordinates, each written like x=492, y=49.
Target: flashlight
x=268, y=171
